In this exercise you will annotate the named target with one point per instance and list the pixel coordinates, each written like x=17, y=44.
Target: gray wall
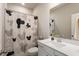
x=62, y=18
x=42, y=11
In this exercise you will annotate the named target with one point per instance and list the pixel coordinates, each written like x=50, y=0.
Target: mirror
x=61, y=17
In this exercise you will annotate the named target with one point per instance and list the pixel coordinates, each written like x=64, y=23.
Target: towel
x=76, y=34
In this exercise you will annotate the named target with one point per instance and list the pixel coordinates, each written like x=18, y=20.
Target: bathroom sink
x=55, y=43
x=61, y=44
x=58, y=44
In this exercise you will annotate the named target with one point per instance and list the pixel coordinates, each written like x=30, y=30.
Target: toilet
x=32, y=51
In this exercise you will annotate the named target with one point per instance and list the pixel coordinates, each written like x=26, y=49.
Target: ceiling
x=59, y=6
x=27, y=5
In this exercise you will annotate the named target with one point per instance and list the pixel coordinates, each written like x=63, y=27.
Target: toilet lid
x=34, y=49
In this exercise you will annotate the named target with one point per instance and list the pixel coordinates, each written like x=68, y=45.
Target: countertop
x=66, y=46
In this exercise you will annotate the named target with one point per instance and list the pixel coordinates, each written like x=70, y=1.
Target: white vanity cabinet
x=44, y=50
x=66, y=47
x=57, y=53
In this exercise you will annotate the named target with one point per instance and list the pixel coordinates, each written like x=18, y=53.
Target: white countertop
x=68, y=47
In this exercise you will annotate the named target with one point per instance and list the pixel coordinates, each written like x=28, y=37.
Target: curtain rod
x=19, y=12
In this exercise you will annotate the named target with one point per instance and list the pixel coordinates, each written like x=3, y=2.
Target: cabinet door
x=49, y=50
x=41, y=51
x=45, y=50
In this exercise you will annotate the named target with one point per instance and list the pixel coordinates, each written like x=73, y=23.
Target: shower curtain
x=20, y=31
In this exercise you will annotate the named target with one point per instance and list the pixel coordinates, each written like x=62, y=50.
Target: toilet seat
x=33, y=51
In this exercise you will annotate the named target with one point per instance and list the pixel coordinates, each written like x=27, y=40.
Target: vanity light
x=22, y=3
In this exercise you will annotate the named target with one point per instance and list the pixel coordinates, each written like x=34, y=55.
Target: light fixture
x=22, y=3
